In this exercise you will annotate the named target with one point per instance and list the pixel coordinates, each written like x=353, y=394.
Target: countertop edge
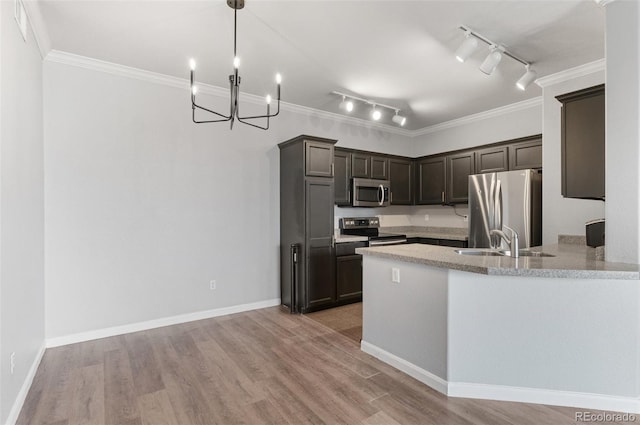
x=539, y=272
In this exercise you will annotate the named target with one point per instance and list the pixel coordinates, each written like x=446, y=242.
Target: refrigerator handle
x=499, y=206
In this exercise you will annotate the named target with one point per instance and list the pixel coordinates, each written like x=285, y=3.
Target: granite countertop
x=570, y=261
x=450, y=233
x=350, y=238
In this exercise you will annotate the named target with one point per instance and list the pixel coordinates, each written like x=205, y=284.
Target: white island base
x=569, y=342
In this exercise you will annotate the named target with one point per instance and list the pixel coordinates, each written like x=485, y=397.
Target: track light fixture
x=494, y=57
x=466, y=49
x=234, y=87
x=527, y=78
x=348, y=104
x=492, y=60
x=399, y=119
x=375, y=113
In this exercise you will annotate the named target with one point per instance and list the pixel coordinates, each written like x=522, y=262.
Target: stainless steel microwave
x=370, y=193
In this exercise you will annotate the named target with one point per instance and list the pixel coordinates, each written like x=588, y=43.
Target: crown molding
x=79, y=61
x=514, y=107
x=571, y=73
x=38, y=26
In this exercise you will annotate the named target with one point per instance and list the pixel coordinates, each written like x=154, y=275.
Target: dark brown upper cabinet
x=379, y=167
x=459, y=168
x=369, y=166
x=492, y=160
x=431, y=178
x=401, y=181
x=526, y=154
x=583, y=143
x=342, y=177
x=318, y=159
x=360, y=165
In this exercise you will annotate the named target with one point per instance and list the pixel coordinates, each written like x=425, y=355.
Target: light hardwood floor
x=258, y=367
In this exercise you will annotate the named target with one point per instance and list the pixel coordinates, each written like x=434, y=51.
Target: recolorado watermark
x=601, y=417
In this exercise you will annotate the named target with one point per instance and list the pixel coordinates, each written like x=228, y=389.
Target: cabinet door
x=401, y=181
x=379, y=167
x=459, y=168
x=431, y=176
x=583, y=146
x=349, y=277
x=342, y=177
x=318, y=159
x=525, y=155
x=360, y=165
x=492, y=160
x=320, y=276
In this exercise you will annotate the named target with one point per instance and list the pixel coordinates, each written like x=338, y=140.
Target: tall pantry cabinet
x=307, y=272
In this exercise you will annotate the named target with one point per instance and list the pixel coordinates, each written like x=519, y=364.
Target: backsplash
x=410, y=215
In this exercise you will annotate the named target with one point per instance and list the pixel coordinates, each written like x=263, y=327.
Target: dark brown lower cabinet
x=349, y=277
x=442, y=242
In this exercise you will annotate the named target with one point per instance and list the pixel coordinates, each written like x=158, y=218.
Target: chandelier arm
x=254, y=125
x=209, y=110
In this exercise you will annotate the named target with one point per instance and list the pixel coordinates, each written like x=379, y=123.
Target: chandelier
x=234, y=87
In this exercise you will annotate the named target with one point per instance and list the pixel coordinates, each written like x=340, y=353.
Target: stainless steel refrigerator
x=511, y=198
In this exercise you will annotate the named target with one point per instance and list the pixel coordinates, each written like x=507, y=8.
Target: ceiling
x=399, y=53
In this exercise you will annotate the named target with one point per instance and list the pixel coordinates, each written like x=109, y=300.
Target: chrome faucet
x=514, y=249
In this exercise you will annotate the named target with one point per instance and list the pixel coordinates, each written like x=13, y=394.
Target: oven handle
x=389, y=242
x=380, y=195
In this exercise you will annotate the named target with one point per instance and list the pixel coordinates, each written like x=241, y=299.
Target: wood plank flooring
x=258, y=367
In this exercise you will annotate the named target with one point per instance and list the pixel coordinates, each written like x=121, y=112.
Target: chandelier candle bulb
x=194, y=90
x=236, y=62
x=278, y=78
x=268, y=99
x=192, y=64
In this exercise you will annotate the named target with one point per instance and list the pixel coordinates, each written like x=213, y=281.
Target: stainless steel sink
x=530, y=254
x=487, y=252
x=479, y=251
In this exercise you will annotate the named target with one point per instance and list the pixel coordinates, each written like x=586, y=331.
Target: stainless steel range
x=368, y=226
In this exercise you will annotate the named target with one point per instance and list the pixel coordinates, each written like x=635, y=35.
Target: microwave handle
x=380, y=195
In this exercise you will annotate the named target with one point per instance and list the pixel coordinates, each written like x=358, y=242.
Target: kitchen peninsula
x=560, y=330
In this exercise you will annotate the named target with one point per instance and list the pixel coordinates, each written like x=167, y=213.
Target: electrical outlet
x=212, y=285
x=395, y=275
x=426, y=217
x=13, y=362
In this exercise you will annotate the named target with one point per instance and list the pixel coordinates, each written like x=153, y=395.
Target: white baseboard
x=544, y=396
x=158, y=323
x=24, y=390
x=506, y=393
x=410, y=369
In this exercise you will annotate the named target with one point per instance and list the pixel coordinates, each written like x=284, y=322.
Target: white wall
x=21, y=211
x=562, y=215
x=143, y=208
x=623, y=132
x=488, y=127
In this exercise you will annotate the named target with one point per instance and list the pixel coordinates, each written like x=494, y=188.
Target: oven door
x=370, y=193
x=382, y=242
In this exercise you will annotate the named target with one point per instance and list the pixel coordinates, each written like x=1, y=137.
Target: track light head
x=346, y=105
x=399, y=119
x=526, y=79
x=491, y=61
x=375, y=114
x=466, y=49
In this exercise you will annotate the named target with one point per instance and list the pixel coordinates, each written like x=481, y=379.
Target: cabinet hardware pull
x=332, y=169
x=443, y=197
